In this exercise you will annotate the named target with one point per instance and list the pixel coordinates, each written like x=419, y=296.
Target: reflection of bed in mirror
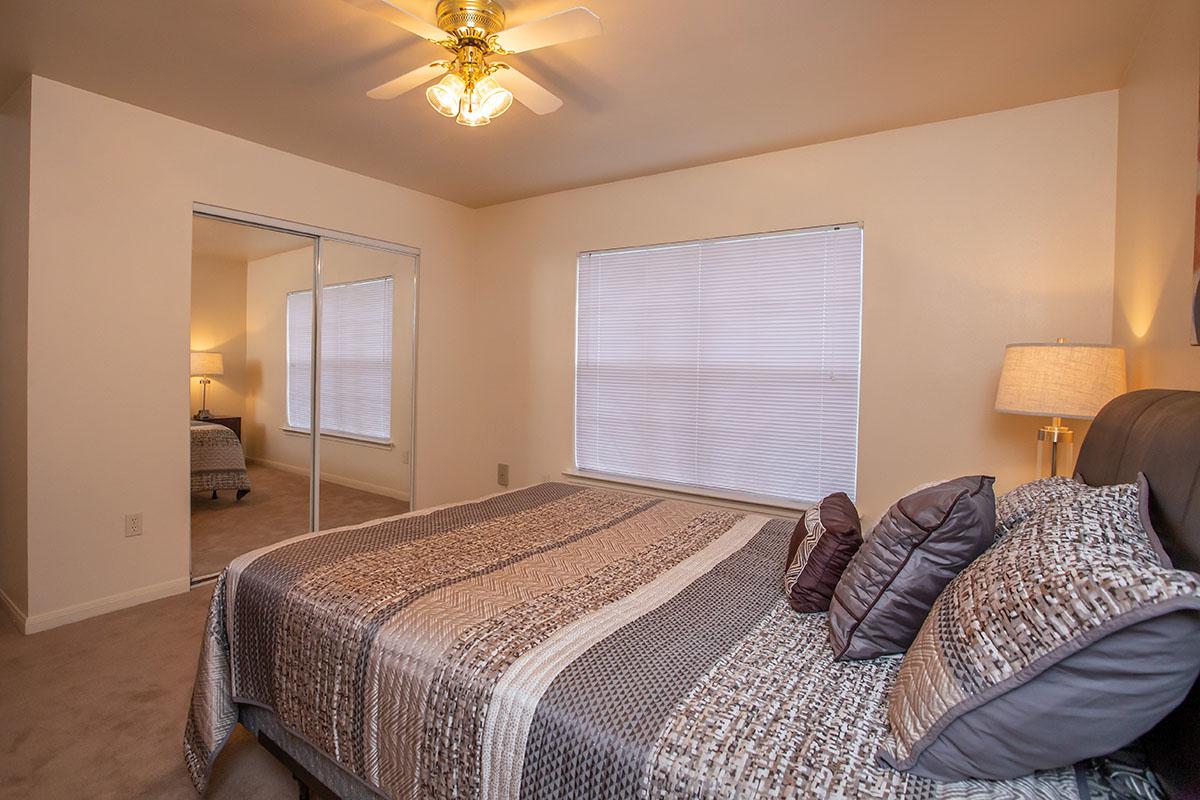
x=218, y=461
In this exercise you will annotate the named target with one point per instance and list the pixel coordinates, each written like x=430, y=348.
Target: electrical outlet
x=133, y=524
x=502, y=474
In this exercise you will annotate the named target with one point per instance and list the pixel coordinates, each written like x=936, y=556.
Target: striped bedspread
x=218, y=461
x=554, y=642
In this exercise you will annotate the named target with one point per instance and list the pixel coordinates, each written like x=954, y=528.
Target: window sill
x=341, y=437
x=740, y=500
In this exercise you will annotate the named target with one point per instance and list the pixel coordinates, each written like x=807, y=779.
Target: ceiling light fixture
x=471, y=89
x=468, y=92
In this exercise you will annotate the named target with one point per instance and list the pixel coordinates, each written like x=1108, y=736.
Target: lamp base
x=203, y=413
x=1055, y=449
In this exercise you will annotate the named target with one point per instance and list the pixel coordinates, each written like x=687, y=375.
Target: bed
x=620, y=646
x=218, y=461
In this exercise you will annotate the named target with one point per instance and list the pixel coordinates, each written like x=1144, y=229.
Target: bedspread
x=218, y=461
x=552, y=642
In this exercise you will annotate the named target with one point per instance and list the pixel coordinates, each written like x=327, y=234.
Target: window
x=729, y=365
x=356, y=359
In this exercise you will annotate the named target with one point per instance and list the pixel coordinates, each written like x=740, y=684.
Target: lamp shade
x=207, y=364
x=1060, y=379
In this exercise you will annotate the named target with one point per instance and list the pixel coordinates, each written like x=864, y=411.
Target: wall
x=14, y=271
x=382, y=470
x=978, y=232
x=110, y=262
x=218, y=324
x=1156, y=201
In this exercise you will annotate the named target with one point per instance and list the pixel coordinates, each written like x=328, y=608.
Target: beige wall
x=14, y=271
x=219, y=325
x=1156, y=201
x=112, y=188
x=383, y=470
x=978, y=232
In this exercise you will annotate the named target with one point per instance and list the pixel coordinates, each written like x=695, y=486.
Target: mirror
x=368, y=315
x=251, y=368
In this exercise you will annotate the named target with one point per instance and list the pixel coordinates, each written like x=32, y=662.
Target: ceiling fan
x=472, y=89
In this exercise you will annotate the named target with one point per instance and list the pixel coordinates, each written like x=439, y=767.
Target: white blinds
x=356, y=359
x=728, y=364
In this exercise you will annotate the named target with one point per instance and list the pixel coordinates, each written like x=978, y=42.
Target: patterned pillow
x=1108, y=518
x=1029, y=499
x=822, y=544
x=922, y=542
x=1054, y=646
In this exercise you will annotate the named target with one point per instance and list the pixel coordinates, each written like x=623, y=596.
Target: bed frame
x=1155, y=432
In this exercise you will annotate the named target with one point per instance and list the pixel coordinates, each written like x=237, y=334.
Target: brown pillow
x=824, y=540
x=921, y=543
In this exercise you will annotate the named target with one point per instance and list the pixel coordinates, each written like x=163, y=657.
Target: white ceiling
x=671, y=83
x=229, y=241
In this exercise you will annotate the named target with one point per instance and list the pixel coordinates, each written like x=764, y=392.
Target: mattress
x=218, y=461
x=555, y=641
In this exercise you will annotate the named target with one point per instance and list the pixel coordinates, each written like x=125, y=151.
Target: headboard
x=1157, y=432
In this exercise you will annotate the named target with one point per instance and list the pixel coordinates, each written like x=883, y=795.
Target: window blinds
x=729, y=365
x=356, y=359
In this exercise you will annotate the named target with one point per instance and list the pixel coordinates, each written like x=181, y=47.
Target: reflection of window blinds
x=727, y=364
x=356, y=359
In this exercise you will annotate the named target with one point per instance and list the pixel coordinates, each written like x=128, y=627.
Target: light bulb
x=472, y=117
x=446, y=95
x=491, y=98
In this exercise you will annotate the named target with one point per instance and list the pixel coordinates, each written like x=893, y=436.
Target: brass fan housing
x=470, y=19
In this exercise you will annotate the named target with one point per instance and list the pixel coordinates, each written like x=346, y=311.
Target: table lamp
x=1059, y=380
x=203, y=365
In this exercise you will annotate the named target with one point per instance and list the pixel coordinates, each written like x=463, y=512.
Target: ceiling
x=232, y=242
x=670, y=84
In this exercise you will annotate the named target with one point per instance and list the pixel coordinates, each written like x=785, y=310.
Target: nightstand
x=233, y=423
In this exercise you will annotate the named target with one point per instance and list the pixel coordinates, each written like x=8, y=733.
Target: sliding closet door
x=251, y=374
x=367, y=328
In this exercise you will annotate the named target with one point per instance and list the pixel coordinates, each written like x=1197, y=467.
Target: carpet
x=96, y=709
x=275, y=509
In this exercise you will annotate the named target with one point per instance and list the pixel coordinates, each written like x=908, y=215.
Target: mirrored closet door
x=292, y=324
x=367, y=332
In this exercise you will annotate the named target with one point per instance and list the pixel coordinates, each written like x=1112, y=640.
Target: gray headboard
x=1157, y=432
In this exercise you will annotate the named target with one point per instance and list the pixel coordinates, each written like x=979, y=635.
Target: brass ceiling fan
x=474, y=90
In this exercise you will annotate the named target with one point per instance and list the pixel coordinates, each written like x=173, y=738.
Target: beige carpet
x=275, y=509
x=96, y=710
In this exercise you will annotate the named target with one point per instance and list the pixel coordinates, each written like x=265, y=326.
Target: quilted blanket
x=557, y=641
x=218, y=461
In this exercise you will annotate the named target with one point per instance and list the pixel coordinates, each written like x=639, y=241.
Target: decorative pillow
x=921, y=543
x=824, y=540
x=1047, y=650
x=1108, y=518
x=1028, y=499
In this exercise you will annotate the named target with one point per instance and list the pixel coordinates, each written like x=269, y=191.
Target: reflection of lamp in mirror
x=204, y=365
x=1059, y=380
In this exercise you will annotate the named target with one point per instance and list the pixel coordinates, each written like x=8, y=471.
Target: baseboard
x=349, y=483
x=17, y=615
x=36, y=623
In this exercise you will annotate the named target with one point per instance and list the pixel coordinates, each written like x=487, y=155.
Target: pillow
x=921, y=543
x=1045, y=651
x=1028, y=499
x=1110, y=518
x=824, y=540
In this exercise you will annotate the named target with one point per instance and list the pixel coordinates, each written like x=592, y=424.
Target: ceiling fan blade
x=394, y=11
x=565, y=26
x=527, y=91
x=408, y=81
